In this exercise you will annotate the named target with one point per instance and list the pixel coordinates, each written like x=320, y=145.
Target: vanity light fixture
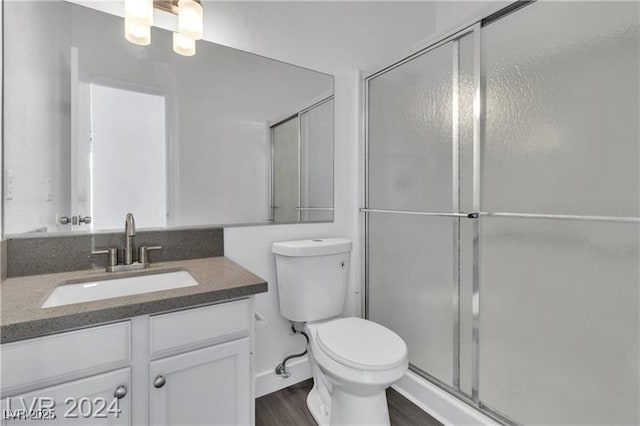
x=138, y=19
x=183, y=45
x=137, y=34
x=190, y=19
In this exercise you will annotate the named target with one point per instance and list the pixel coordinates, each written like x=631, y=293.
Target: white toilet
x=353, y=360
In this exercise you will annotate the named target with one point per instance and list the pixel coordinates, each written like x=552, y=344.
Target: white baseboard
x=441, y=405
x=269, y=381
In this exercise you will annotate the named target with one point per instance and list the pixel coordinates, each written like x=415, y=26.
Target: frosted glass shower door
x=410, y=263
x=417, y=138
x=559, y=297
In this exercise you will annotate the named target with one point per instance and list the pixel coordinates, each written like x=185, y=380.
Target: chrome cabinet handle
x=159, y=382
x=120, y=392
x=86, y=219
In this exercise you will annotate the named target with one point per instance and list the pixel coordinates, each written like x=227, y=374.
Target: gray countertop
x=22, y=317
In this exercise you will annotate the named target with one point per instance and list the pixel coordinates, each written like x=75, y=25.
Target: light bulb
x=139, y=12
x=183, y=45
x=137, y=34
x=190, y=19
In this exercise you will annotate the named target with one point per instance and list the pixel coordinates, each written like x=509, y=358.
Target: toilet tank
x=312, y=277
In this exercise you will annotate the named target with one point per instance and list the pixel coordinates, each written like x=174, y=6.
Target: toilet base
x=318, y=409
x=348, y=408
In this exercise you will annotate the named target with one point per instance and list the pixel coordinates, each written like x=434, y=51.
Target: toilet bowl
x=353, y=362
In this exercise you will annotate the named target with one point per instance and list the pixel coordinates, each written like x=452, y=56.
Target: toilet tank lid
x=314, y=247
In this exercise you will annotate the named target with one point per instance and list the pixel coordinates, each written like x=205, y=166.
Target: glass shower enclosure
x=503, y=212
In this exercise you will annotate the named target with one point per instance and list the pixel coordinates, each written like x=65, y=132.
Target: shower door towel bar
x=475, y=215
x=618, y=219
x=414, y=213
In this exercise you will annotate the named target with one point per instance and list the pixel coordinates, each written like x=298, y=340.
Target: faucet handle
x=143, y=253
x=111, y=252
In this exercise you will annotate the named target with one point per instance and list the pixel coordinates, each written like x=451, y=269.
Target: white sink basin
x=89, y=291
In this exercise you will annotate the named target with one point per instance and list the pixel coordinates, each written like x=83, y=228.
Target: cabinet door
x=89, y=401
x=210, y=386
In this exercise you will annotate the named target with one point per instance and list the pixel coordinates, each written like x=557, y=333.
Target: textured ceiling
x=326, y=36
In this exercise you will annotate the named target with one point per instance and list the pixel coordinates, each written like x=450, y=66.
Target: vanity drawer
x=198, y=326
x=64, y=356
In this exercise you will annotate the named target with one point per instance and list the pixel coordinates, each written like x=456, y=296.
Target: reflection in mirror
x=302, y=182
x=95, y=127
x=316, y=196
x=284, y=137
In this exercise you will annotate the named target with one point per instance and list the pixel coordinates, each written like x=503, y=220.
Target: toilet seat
x=361, y=344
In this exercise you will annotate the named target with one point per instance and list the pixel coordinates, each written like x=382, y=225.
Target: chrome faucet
x=129, y=233
x=128, y=262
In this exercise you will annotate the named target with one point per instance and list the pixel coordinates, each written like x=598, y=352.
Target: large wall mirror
x=95, y=127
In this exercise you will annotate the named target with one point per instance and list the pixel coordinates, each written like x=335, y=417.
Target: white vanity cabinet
x=74, y=374
x=208, y=386
x=85, y=401
x=187, y=367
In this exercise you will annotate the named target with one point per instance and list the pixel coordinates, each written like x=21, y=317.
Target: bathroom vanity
x=181, y=356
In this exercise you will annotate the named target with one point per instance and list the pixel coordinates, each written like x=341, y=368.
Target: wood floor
x=288, y=407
